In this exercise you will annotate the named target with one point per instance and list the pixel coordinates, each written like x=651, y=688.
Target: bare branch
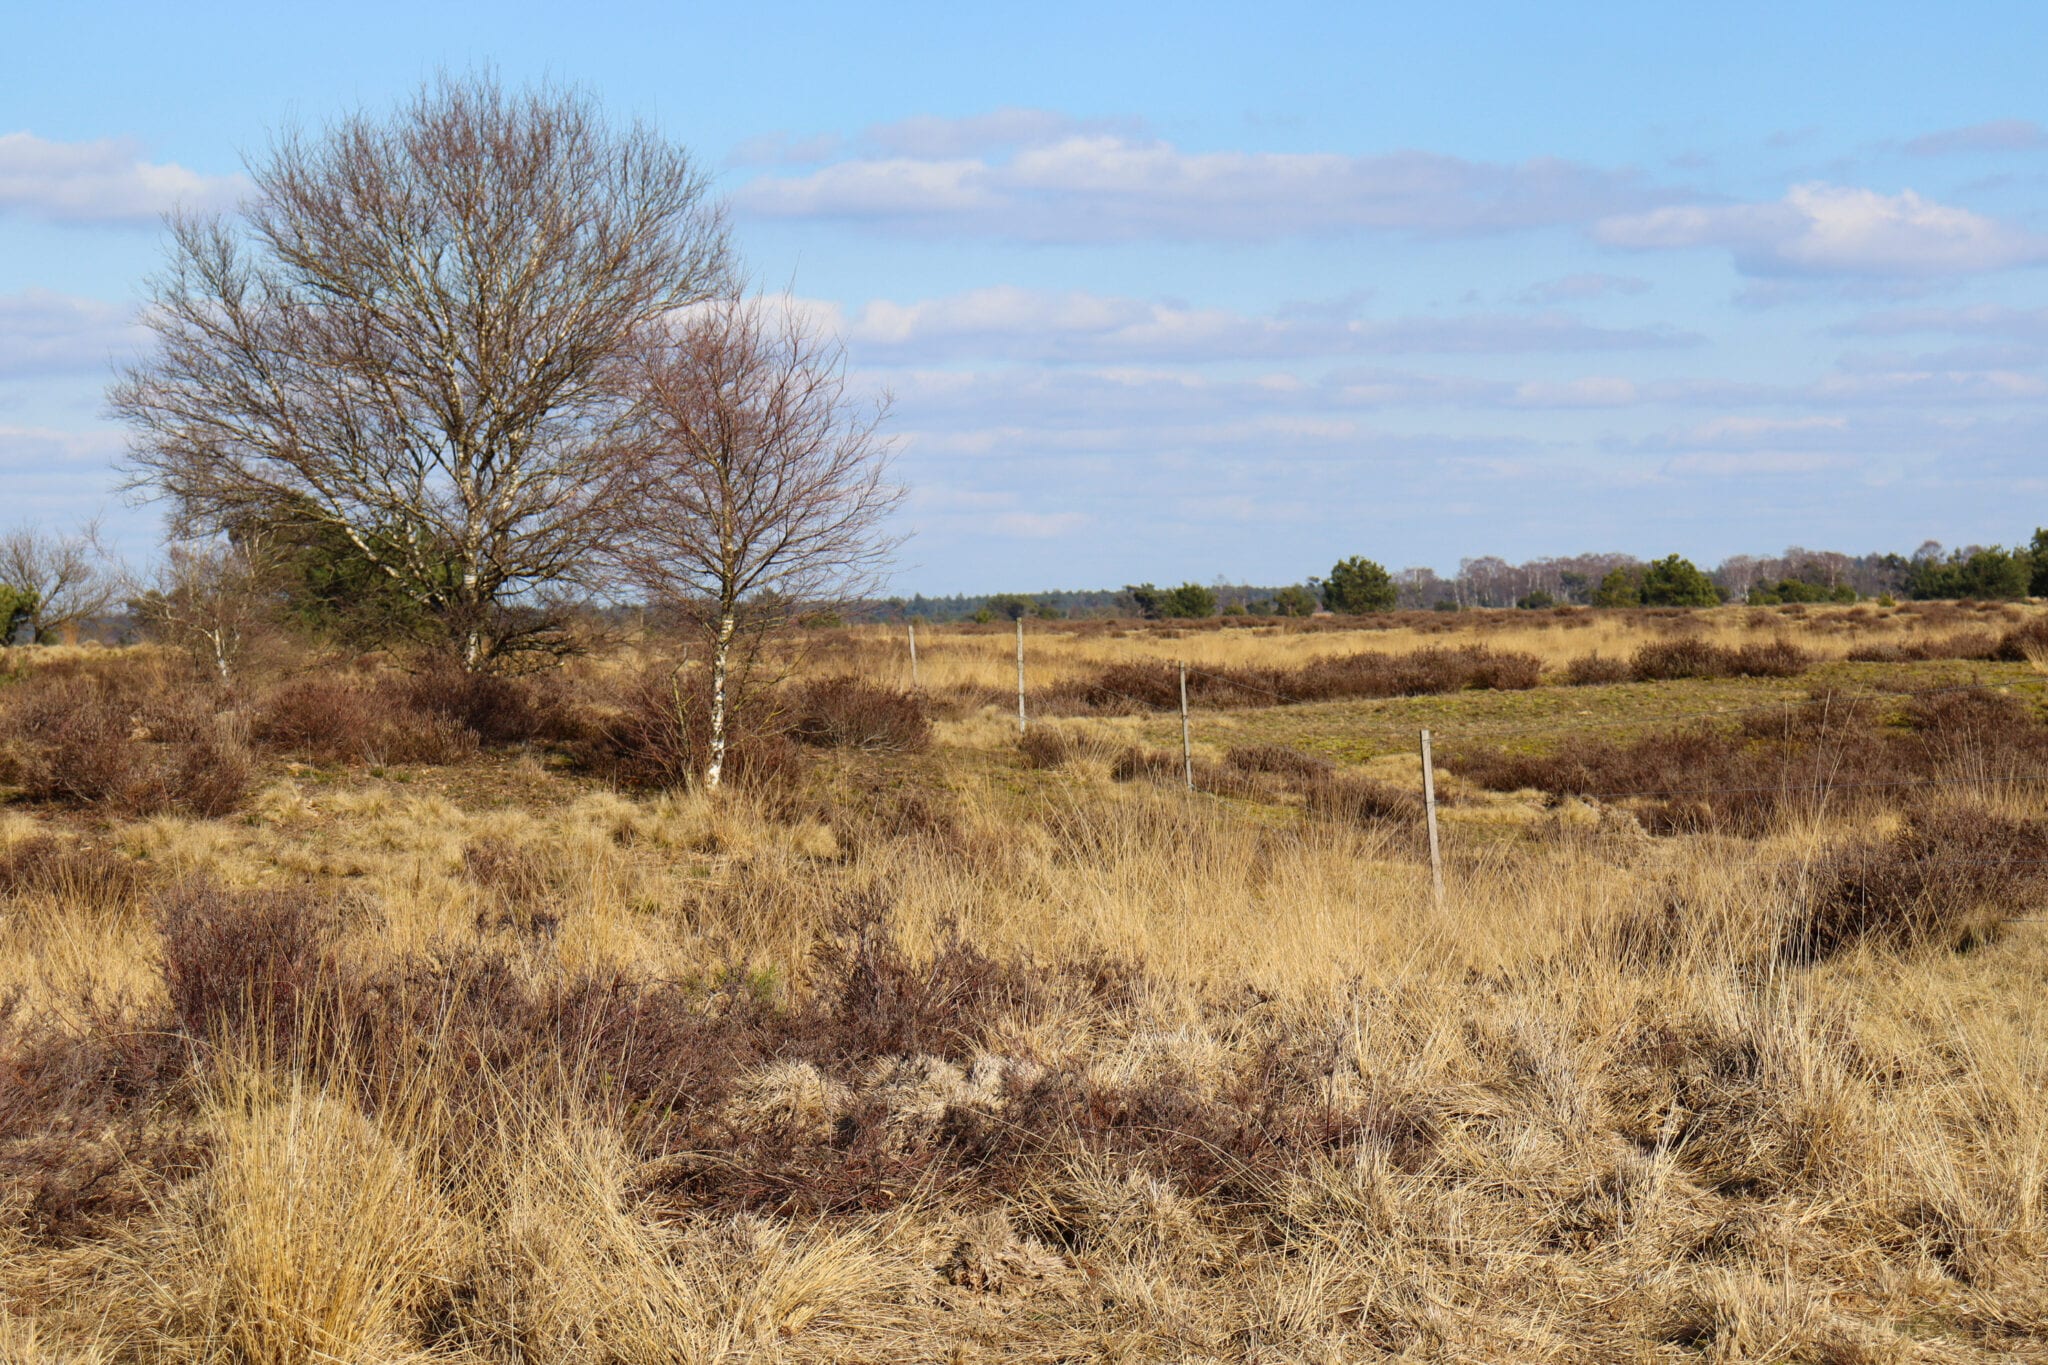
x=760, y=487
x=58, y=581
x=413, y=337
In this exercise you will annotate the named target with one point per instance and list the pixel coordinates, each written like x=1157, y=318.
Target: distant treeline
x=1798, y=575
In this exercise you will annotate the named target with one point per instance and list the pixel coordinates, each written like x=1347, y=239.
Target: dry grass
x=955, y=1049
x=976, y=660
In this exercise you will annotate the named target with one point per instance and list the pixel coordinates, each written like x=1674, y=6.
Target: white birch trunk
x=714, y=771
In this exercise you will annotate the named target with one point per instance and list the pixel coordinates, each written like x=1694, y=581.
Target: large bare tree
x=762, y=489
x=411, y=336
x=56, y=581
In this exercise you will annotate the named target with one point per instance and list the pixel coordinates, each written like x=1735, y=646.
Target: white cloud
x=1039, y=525
x=1747, y=430
x=1106, y=186
x=783, y=149
x=26, y=449
x=1593, y=391
x=1051, y=326
x=1999, y=135
x=1583, y=287
x=103, y=181
x=1982, y=320
x=930, y=135
x=43, y=333
x=1833, y=229
x=1721, y=464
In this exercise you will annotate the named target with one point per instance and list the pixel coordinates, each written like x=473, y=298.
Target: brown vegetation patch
x=1950, y=878
x=1825, y=751
x=1121, y=688
x=85, y=740
x=1695, y=658
x=851, y=713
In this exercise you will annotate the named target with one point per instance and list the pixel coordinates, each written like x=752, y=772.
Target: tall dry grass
x=974, y=1053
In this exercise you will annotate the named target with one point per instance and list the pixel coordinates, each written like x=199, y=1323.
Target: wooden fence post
x=1436, y=862
x=913, y=656
x=1020, y=675
x=1187, y=742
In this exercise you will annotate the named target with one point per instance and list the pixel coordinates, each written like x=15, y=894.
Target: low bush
x=1590, y=670
x=1280, y=761
x=2026, y=643
x=1665, y=660
x=1822, y=751
x=1123, y=688
x=495, y=708
x=1776, y=658
x=79, y=740
x=1949, y=879
x=659, y=738
x=327, y=720
x=1966, y=644
x=851, y=713
x=243, y=963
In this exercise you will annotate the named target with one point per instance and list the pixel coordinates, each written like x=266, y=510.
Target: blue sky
x=1183, y=291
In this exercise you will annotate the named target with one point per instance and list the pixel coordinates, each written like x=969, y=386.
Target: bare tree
x=411, y=337
x=212, y=600
x=762, y=486
x=56, y=581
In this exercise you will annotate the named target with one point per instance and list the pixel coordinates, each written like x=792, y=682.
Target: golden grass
x=969, y=658
x=1580, y=1154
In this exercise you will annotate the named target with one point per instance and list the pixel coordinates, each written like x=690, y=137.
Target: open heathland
x=378, y=1013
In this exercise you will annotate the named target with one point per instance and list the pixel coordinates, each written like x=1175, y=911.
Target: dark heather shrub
x=1974, y=735
x=241, y=964
x=1682, y=658
x=1505, y=671
x=81, y=742
x=333, y=721
x=1589, y=670
x=495, y=708
x=850, y=713
x=1968, y=644
x=1950, y=879
x=1777, y=658
x=1045, y=747
x=1279, y=760
x=2024, y=642
x=659, y=738
x=1360, y=800
x=1122, y=688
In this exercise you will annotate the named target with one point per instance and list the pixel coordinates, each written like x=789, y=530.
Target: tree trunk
x=714, y=771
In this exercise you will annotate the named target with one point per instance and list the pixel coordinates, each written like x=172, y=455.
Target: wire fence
x=1554, y=726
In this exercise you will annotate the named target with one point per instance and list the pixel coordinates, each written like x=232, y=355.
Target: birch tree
x=411, y=335
x=53, y=582
x=761, y=490
x=212, y=601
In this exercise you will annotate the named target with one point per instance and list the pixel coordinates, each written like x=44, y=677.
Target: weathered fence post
x=1436, y=862
x=1187, y=742
x=913, y=655
x=1020, y=675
